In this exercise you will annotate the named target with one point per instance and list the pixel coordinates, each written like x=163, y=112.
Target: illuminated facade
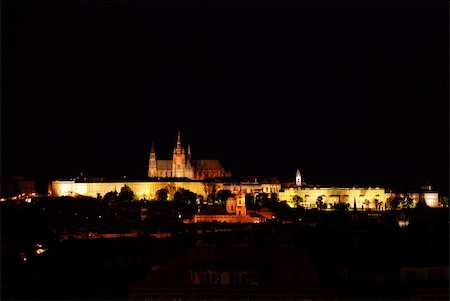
x=235, y=211
x=141, y=189
x=374, y=198
x=183, y=166
x=184, y=173
x=307, y=196
x=362, y=197
x=252, y=186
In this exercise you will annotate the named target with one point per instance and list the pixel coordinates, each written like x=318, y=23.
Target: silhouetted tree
x=171, y=189
x=222, y=196
x=274, y=198
x=200, y=199
x=110, y=196
x=376, y=203
x=395, y=202
x=421, y=204
x=187, y=196
x=177, y=198
x=249, y=201
x=262, y=199
x=408, y=202
x=320, y=203
x=210, y=198
x=283, y=211
x=161, y=195
x=126, y=194
x=341, y=206
x=297, y=200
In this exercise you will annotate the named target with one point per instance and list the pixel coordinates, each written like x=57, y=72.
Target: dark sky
x=350, y=93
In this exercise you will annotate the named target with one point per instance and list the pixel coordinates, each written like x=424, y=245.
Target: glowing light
x=431, y=199
x=40, y=251
x=403, y=223
x=28, y=200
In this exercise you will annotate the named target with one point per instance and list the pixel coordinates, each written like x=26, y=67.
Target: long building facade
x=305, y=196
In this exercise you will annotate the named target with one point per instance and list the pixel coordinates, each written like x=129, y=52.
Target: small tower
x=231, y=205
x=152, y=171
x=241, y=209
x=298, y=178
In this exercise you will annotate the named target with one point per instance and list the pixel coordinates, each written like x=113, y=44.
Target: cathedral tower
x=179, y=160
x=298, y=178
x=152, y=163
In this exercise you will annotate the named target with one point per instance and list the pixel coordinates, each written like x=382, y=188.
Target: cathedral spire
x=152, y=150
x=179, y=140
x=189, y=151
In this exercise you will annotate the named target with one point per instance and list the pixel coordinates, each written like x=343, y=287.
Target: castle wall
x=147, y=190
x=431, y=198
x=332, y=195
x=142, y=190
x=252, y=187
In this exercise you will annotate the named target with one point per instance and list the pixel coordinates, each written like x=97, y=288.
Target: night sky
x=348, y=92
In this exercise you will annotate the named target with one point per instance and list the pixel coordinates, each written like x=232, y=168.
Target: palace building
x=183, y=166
x=183, y=172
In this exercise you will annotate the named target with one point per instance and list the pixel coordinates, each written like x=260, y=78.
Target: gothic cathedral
x=183, y=166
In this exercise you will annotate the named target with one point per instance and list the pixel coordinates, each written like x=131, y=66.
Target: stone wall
x=142, y=190
x=333, y=195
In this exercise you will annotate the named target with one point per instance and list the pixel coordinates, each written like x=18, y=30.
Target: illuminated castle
x=183, y=166
x=178, y=173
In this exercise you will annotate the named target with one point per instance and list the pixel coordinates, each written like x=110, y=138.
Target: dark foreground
x=326, y=255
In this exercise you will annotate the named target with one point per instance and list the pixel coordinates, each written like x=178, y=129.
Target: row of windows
x=225, y=278
x=432, y=275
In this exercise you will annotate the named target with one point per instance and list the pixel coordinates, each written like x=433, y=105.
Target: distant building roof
x=207, y=164
x=271, y=180
x=214, y=210
x=288, y=184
